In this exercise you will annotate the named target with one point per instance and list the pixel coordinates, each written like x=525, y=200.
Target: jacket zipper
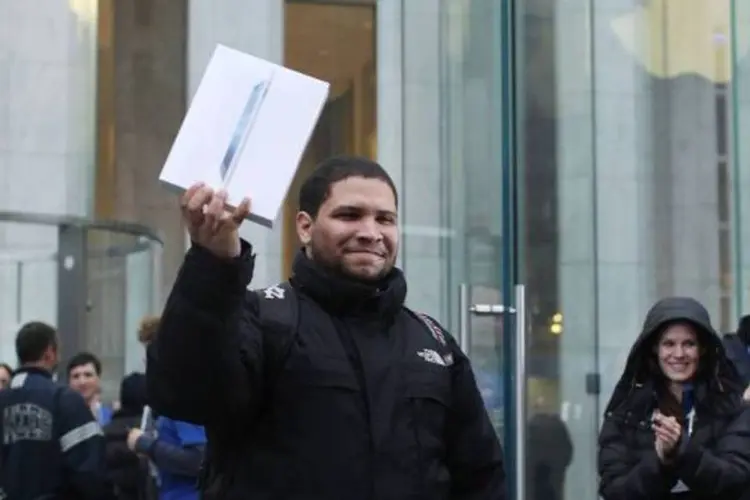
x=356, y=362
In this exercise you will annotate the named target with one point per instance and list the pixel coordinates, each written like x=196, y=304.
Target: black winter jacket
x=737, y=352
x=361, y=406
x=714, y=462
x=129, y=472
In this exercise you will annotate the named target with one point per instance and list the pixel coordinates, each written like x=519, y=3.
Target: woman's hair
x=6, y=367
x=148, y=328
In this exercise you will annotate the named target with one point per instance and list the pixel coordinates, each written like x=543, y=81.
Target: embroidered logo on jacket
x=432, y=357
x=439, y=336
x=273, y=292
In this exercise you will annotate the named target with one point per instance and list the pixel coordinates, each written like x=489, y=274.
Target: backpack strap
x=278, y=314
x=437, y=333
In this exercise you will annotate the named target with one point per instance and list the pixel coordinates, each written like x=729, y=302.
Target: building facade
x=592, y=153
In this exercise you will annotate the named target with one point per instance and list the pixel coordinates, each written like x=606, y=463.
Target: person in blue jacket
x=177, y=450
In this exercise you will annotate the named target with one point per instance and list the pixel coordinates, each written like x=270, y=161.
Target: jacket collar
x=343, y=295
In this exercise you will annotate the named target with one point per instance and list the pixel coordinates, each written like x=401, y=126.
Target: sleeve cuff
x=209, y=281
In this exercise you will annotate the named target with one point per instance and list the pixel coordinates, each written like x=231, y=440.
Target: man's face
x=84, y=380
x=4, y=378
x=356, y=230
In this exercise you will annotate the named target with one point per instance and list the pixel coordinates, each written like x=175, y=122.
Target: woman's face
x=678, y=352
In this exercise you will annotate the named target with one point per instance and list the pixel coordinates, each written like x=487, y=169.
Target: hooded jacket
x=713, y=462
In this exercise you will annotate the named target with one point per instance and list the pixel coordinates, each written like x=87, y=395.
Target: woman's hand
x=668, y=432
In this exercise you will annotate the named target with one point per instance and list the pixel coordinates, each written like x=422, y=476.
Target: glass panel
x=740, y=153
x=624, y=195
x=440, y=135
x=486, y=333
x=139, y=272
x=451, y=173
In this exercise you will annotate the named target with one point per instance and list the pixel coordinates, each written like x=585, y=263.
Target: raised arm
x=205, y=364
x=206, y=359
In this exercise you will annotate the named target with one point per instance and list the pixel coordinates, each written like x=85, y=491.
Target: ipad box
x=245, y=131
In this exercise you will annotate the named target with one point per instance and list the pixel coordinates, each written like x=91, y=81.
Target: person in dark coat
x=737, y=346
x=128, y=471
x=676, y=426
x=550, y=454
x=358, y=397
x=52, y=448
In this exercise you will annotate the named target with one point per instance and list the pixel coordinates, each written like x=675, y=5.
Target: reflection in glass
x=242, y=130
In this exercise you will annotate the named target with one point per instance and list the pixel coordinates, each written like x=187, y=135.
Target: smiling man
x=325, y=387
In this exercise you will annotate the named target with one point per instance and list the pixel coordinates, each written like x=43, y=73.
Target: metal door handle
x=520, y=392
x=466, y=309
x=464, y=325
x=490, y=309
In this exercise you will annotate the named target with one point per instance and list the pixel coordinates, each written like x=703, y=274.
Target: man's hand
x=133, y=436
x=668, y=432
x=209, y=224
x=746, y=394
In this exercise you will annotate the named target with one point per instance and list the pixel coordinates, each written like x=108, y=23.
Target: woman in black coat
x=676, y=426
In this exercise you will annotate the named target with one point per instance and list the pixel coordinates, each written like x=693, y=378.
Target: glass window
x=626, y=175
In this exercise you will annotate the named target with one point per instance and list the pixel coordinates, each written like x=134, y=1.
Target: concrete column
x=148, y=86
x=255, y=27
x=47, y=133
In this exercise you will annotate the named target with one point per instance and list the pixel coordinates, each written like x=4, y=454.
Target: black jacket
x=737, y=352
x=359, y=408
x=128, y=471
x=714, y=462
x=52, y=447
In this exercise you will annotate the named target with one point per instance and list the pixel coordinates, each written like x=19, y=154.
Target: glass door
x=521, y=288
x=486, y=299
x=479, y=125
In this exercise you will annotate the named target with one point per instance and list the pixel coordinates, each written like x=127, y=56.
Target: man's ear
x=304, y=223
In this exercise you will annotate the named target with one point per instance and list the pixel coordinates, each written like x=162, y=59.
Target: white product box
x=246, y=130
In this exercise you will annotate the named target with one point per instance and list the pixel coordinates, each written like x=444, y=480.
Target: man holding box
x=327, y=386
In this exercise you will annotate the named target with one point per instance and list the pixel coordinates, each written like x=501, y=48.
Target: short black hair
x=84, y=358
x=33, y=339
x=317, y=187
